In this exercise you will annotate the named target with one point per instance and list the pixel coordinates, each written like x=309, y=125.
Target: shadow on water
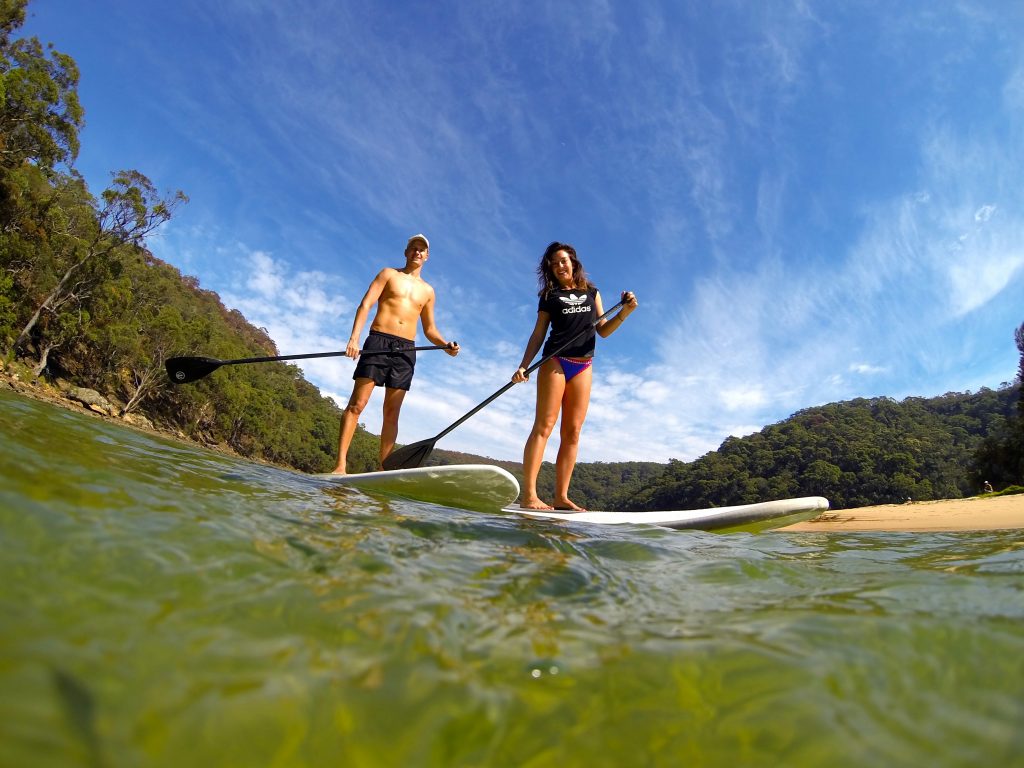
x=79, y=708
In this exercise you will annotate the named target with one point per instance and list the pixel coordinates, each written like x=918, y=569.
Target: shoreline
x=52, y=394
x=989, y=513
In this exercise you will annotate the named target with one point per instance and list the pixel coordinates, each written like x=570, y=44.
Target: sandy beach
x=973, y=514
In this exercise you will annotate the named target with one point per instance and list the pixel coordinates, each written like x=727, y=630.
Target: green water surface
x=164, y=605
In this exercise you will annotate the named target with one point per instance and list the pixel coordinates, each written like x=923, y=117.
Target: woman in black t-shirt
x=571, y=305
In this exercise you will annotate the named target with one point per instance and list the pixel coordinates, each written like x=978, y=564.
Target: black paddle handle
x=529, y=370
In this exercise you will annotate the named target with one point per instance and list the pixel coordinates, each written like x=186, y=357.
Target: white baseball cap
x=418, y=237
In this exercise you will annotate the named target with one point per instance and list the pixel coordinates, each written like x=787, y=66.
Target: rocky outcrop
x=92, y=400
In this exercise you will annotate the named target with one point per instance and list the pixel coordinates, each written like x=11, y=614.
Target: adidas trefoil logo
x=574, y=303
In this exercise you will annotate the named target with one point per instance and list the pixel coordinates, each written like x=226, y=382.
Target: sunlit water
x=163, y=605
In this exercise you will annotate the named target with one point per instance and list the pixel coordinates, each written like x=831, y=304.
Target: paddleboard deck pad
x=478, y=487
x=746, y=517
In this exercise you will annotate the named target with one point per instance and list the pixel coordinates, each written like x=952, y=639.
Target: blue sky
x=813, y=201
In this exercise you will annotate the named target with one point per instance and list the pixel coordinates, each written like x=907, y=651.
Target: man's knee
x=355, y=407
x=393, y=404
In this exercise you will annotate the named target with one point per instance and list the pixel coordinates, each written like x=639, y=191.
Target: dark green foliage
x=1000, y=457
x=855, y=453
x=595, y=485
x=40, y=115
x=1012, y=490
x=266, y=411
x=1018, y=336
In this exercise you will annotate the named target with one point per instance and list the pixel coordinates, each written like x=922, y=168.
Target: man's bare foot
x=339, y=470
x=565, y=505
x=533, y=504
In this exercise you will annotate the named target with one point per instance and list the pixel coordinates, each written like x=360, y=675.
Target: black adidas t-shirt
x=572, y=312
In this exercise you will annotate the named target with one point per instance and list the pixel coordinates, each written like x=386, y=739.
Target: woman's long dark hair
x=546, y=276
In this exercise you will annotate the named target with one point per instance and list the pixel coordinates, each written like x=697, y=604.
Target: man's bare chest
x=405, y=288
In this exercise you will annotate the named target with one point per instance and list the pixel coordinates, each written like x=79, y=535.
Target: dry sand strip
x=974, y=514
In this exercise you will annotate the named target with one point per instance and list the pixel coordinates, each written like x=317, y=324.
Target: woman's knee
x=543, y=429
x=570, y=433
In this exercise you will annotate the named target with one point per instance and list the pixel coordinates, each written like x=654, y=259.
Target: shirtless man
x=402, y=297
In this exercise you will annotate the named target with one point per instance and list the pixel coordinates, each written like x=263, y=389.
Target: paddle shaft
x=182, y=370
x=326, y=354
x=528, y=371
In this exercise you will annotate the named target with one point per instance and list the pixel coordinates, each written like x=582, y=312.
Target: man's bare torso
x=400, y=304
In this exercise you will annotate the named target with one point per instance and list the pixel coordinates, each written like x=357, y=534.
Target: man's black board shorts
x=393, y=369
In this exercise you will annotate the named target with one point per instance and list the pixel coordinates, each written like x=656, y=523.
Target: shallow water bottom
x=164, y=605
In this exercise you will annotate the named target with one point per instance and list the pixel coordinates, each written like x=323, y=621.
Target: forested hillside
x=84, y=303
x=82, y=300
x=853, y=453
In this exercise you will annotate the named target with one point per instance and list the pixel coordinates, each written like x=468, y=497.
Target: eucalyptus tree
x=87, y=240
x=40, y=118
x=40, y=114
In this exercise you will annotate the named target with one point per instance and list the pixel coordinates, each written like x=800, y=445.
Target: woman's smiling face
x=561, y=267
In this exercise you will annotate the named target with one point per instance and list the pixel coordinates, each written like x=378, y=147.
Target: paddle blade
x=409, y=456
x=182, y=370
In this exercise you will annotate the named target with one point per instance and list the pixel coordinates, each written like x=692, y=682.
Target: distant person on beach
x=569, y=304
x=403, y=298
x=988, y=487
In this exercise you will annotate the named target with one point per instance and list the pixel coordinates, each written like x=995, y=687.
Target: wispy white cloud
x=298, y=308
x=866, y=369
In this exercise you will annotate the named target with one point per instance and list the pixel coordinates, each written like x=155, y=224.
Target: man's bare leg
x=361, y=392
x=389, y=429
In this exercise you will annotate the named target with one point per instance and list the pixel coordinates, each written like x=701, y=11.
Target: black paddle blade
x=182, y=370
x=409, y=456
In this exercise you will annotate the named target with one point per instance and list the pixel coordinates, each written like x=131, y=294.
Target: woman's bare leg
x=550, y=385
x=575, y=401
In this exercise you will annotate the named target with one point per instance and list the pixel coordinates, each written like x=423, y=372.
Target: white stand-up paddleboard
x=746, y=517
x=480, y=487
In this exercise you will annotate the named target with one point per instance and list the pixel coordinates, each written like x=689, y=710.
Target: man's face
x=417, y=251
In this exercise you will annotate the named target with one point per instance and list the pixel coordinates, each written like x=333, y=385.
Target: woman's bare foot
x=534, y=503
x=568, y=506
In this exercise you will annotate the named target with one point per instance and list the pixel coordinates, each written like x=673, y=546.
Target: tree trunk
x=44, y=360
x=144, y=384
x=50, y=300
